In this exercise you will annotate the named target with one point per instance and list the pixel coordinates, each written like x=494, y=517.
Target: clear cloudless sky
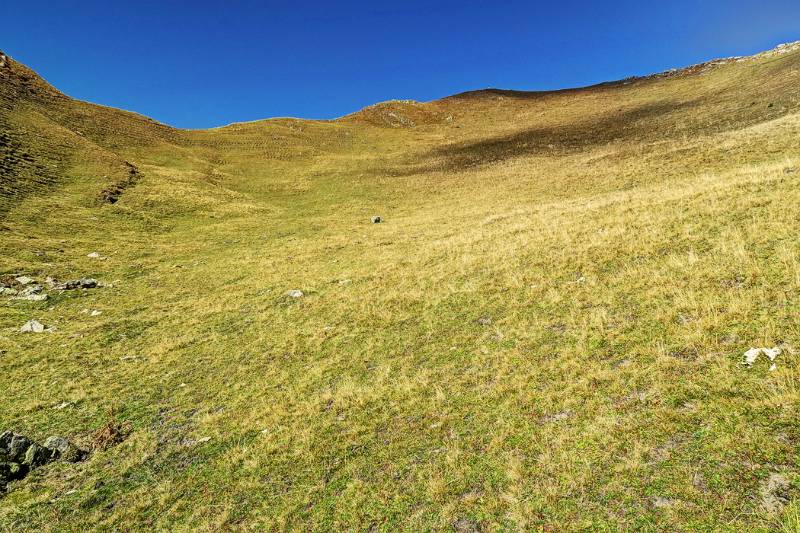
x=205, y=63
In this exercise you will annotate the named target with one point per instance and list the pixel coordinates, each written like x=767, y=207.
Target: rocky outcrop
x=19, y=455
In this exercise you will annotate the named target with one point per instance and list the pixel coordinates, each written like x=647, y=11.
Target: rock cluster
x=19, y=455
x=26, y=288
x=83, y=283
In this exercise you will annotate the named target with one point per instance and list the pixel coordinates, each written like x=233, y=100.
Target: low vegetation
x=544, y=332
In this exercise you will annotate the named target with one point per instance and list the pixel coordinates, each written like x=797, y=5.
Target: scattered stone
x=31, y=293
x=32, y=326
x=730, y=339
x=699, y=482
x=376, y=220
x=345, y=281
x=659, y=502
x=462, y=525
x=194, y=442
x=295, y=293
x=751, y=355
x=8, y=291
x=24, y=280
x=83, y=283
x=484, y=321
x=557, y=417
x=93, y=255
x=61, y=448
x=95, y=313
x=774, y=492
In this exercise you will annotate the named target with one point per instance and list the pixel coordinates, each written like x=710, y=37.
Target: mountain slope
x=544, y=332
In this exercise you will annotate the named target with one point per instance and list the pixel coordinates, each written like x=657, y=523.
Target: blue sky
x=201, y=63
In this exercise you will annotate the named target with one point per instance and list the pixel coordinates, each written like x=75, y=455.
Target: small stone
x=462, y=525
x=8, y=291
x=24, y=280
x=93, y=255
x=557, y=417
x=699, y=482
x=58, y=444
x=376, y=219
x=295, y=293
x=775, y=492
x=659, y=502
x=83, y=283
x=485, y=321
x=32, y=297
x=32, y=326
x=65, y=450
x=95, y=313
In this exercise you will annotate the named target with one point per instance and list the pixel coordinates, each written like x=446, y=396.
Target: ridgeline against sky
x=194, y=64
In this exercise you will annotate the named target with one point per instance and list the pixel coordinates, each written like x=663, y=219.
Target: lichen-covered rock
x=32, y=326
x=5, y=441
x=18, y=447
x=38, y=456
x=65, y=450
x=83, y=283
x=19, y=455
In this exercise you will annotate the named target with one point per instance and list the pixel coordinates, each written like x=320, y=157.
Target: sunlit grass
x=624, y=266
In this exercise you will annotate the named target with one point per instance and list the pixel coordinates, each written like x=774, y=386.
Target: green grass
x=628, y=241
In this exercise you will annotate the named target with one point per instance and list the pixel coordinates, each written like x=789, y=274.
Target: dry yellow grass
x=628, y=243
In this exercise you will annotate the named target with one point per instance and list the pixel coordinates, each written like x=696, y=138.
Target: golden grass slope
x=544, y=334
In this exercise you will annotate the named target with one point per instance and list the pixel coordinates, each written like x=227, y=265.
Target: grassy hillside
x=544, y=333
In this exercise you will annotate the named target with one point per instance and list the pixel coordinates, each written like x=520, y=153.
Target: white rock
x=295, y=293
x=31, y=297
x=24, y=280
x=95, y=313
x=32, y=326
x=751, y=356
x=93, y=255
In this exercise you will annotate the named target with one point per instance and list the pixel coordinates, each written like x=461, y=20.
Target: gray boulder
x=5, y=441
x=63, y=449
x=83, y=283
x=18, y=447
x=32, y=326
x=38, y=456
